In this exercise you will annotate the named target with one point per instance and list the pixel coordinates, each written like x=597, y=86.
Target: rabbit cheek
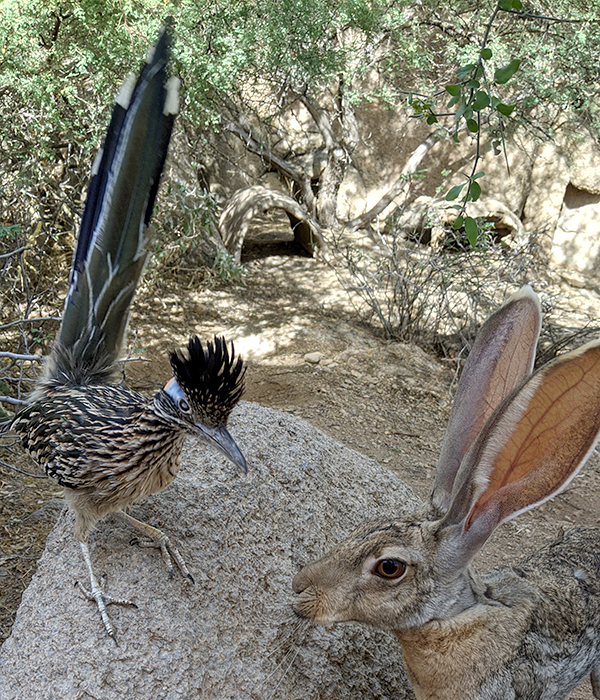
x=382, y=603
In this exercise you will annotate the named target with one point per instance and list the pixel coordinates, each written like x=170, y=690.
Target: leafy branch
x=471, y=96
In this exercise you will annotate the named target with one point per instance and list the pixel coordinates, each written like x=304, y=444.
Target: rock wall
x=576, y=244
x=533, y=187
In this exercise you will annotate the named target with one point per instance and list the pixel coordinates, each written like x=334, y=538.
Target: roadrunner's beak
x=220, y=438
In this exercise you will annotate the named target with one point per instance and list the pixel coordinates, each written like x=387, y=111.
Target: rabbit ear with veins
x=529, y=449
x=502, y=356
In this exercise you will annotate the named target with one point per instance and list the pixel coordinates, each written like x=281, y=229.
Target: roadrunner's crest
x=212, y=378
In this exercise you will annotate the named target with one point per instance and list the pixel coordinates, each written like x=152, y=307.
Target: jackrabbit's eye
x=390, y=568
x=183, y=406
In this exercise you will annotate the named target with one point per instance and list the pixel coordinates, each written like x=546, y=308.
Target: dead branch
x=15, y=252
x=29, y=320
x=17, y=356
x=287, y=169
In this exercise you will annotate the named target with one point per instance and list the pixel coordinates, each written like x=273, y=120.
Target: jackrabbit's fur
x=514, y=440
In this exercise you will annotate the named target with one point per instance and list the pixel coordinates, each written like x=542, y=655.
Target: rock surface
x=232, y=635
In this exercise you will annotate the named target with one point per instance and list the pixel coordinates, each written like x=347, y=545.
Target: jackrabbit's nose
x=300, y=582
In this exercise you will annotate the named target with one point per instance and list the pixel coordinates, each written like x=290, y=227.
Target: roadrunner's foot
x=101, y=598
x=157, y=539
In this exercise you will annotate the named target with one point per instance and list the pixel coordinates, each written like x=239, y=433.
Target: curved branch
x=247, y=203
x=15, y=252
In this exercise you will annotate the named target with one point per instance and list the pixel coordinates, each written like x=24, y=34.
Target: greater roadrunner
x=106, y=445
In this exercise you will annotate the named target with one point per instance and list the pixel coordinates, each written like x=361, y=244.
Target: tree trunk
x=337, y=158
x=331, y=180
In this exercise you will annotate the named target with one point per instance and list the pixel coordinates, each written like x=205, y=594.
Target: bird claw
x=169, y=554
x=102, y=600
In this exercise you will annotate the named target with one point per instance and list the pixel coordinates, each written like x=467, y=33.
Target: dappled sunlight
x=278, y=309
x=576, y=244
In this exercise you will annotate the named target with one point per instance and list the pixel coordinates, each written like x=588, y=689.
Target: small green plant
x=227, y=269
x=10, y=233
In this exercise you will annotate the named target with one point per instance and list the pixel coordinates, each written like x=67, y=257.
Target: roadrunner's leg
x=158, y=539
x=96, y=594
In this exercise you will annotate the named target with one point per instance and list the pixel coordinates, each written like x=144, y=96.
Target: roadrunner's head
x=207, y=384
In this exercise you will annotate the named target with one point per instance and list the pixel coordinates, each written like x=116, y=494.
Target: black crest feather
x=212, y=377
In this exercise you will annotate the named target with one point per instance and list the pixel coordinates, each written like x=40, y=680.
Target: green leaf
x=485, y=54
x=481, y=101
x=473, y=84
x=463, y=71
x=454, y=101
x=505, y=5
x=454, y=90
x=471, y=230
x=474, y=191
x=472, y=126
x=457, y=223
x=455, y=137
x=454, y=192
x=431, y=119
x=481, y=173
x=506, y=110
x=503, y=75
x=517, y=5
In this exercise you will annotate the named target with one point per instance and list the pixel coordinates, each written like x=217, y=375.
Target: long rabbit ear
x=529, y=449
x=502, y=356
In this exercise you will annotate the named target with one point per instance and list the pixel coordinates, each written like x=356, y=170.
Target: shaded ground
x=387, y=400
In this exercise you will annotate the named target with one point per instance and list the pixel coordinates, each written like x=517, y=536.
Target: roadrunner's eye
x=184, y=406
x=390, y=568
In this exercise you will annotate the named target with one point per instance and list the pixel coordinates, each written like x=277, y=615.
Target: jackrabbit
x=514, y=440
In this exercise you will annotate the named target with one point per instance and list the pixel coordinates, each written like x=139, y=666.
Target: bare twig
x=18, y=356
x=11, y=401
x=22, y=321
x=15, y=252
x=20, y=471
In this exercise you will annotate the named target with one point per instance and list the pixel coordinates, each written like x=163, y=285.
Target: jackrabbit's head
x=514, y=440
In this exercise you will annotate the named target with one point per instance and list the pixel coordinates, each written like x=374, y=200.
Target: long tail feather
x=111, y=248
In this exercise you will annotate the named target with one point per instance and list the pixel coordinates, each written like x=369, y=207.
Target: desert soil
x=307, y=354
